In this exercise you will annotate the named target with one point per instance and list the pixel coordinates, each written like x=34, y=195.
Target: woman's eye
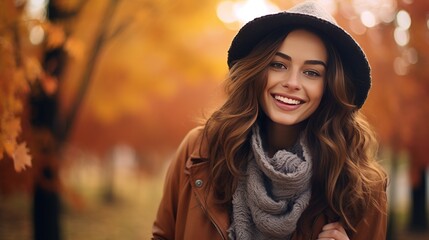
x=277, y=65
x=312, y=73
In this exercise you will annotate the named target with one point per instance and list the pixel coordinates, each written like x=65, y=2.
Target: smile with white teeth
x=287, y=100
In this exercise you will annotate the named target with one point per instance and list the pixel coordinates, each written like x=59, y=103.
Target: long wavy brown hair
x=343, y=146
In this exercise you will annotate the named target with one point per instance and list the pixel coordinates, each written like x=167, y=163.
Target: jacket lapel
x=197, y=166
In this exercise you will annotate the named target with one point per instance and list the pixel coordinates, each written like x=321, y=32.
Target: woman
x=289, y=155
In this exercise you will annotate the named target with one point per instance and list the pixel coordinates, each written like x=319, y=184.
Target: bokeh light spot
x=403, y=19
x=411, y=55
x=400, y=66
x=225, y=12
x=402, y=36
x=236, y=14
x=368, y=19
x=37, y=34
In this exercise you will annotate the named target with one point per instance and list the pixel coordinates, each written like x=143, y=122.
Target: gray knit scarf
x=270, y=199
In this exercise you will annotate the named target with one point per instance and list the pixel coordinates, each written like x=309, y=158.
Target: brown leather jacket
x=187, y=209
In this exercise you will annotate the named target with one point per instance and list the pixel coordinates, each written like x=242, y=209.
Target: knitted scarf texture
x=273, y=194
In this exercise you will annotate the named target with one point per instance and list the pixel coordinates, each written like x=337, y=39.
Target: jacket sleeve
x=374, y=224
x=165, y=221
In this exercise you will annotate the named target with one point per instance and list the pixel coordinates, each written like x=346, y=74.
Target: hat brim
x=354, y=60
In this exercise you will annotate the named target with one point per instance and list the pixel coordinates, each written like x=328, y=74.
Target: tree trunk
x=46, y=198
x=418, y=221
x=46, y=209
x=44, y=118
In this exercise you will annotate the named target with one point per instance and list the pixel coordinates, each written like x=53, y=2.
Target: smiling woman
x=289, y=155
x=296, y=78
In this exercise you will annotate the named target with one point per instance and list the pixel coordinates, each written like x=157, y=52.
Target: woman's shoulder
x=195, y=133
x=193, y=144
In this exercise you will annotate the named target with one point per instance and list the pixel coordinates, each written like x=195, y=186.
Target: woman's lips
x=287, y=103
x=287, y=100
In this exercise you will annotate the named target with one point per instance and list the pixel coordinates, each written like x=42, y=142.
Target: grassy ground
x=87, y=214
x=15, y=217
x=129, y=216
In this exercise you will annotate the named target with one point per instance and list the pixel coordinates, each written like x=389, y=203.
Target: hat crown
x=313, y=9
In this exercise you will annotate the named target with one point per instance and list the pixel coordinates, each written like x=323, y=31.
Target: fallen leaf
x=21, y=157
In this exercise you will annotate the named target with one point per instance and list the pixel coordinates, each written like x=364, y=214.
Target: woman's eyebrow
x=312, y=62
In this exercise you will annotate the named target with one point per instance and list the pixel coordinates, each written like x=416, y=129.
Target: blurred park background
x=96, y=96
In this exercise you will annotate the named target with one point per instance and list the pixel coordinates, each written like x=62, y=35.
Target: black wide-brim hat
x=313, y=16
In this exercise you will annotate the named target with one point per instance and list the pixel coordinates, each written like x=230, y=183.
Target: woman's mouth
x=287, y=100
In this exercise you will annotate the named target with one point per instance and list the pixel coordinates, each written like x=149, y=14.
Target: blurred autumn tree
x=153, y=76
x=107, y=72
x=398, y=104
x=20, y=70
x=16, y=73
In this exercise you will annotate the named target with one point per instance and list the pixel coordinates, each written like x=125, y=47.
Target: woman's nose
x=291, y=80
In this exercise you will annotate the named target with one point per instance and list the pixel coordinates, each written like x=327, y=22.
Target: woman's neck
x=278, y=137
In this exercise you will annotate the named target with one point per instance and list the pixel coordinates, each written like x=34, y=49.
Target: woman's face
x=296, y=78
